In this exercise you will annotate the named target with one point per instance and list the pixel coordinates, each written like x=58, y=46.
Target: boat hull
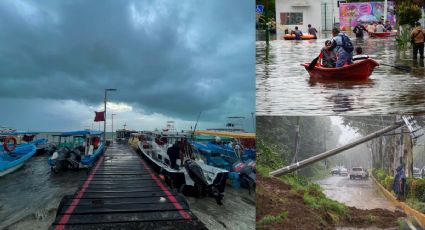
x=359, y=71
x=381, y=34
x=13, y=161
x=10, y=170
x=173, y=178
x=303, y=37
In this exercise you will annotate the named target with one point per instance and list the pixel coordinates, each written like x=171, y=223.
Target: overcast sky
x=347, y=133
x=169, y=60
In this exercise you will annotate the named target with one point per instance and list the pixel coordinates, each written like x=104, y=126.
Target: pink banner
x=350, y=14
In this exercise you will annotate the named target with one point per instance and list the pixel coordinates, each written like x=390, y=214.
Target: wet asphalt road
x=362, y=194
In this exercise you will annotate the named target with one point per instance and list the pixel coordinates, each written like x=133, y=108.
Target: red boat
x=359, y=71
x=381, y=34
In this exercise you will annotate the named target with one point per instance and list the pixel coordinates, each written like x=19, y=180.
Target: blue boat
x=227, y=153
x=76, y=150
x=11, y=161
x=28, y=138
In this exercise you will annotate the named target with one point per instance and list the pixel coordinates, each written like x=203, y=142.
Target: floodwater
x=284, y=87
x=362, y=194
x=29, y=199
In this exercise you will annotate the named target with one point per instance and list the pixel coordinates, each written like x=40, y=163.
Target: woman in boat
x=327, y=56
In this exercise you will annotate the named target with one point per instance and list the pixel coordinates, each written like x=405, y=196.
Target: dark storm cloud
x=171, y=57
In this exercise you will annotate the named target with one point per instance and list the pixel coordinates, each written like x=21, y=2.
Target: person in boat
x=371, y=28
x=174, y=153
x=359, y=54
x=388, y=26
x=343, y=48
x=358, y=30
x=327, y=56
x=379, y=28
x=286, y=31
x=298, y=33
x=417, y=37
x=312, y=31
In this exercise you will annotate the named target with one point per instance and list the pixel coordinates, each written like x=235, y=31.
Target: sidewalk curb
x=420, y=217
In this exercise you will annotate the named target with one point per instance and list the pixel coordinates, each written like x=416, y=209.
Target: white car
x=343, y=172
x=358, y=172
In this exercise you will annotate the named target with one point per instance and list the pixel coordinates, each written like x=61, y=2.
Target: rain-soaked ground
x=362, y=194
x=30, y=196
x=284, y=87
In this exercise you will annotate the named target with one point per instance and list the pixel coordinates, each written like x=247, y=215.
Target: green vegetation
x=416, y=189
x=403, y=37
x=384, y=179
x=270, y=219
x=408, y=13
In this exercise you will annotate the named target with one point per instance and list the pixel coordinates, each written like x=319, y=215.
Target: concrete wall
x=311, y=10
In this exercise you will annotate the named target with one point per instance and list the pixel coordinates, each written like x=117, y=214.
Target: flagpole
x=104, y=122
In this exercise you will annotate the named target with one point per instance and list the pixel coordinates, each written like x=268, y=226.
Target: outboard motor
x=247, y=174
x=65, y=159
x=195, y=172
x=60, y=159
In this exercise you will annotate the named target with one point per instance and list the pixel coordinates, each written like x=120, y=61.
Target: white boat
x=191, y=176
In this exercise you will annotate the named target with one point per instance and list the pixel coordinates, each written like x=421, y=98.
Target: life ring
x=6, y=143
x=96, y=142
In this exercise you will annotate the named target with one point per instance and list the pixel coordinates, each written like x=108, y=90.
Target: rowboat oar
x=313, y=63
x=400, y=67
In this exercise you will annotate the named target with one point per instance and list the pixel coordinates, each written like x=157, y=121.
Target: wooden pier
x=122, y=192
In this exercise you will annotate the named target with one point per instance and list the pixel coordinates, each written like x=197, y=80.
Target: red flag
x=100, y=116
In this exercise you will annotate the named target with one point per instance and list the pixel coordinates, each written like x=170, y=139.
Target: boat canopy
x=82, y=133
x=203, y=137
x=225, y=134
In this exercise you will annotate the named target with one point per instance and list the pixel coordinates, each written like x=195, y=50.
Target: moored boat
x=76, y=150
x=381, y=34
x=27, y=138
x=188, y=172
x=359, y=71
x=13, y=160
x=303, y=37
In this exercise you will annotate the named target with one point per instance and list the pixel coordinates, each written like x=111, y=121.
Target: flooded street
x=284, y=87
x=362, y=194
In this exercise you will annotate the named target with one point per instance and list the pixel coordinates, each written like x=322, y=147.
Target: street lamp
x=112, y=118
x=104, y=123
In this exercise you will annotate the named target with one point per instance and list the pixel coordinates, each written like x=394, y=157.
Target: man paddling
x=342, y=46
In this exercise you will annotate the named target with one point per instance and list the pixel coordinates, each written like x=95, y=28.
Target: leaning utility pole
x=297, y=141
x=335, y=151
